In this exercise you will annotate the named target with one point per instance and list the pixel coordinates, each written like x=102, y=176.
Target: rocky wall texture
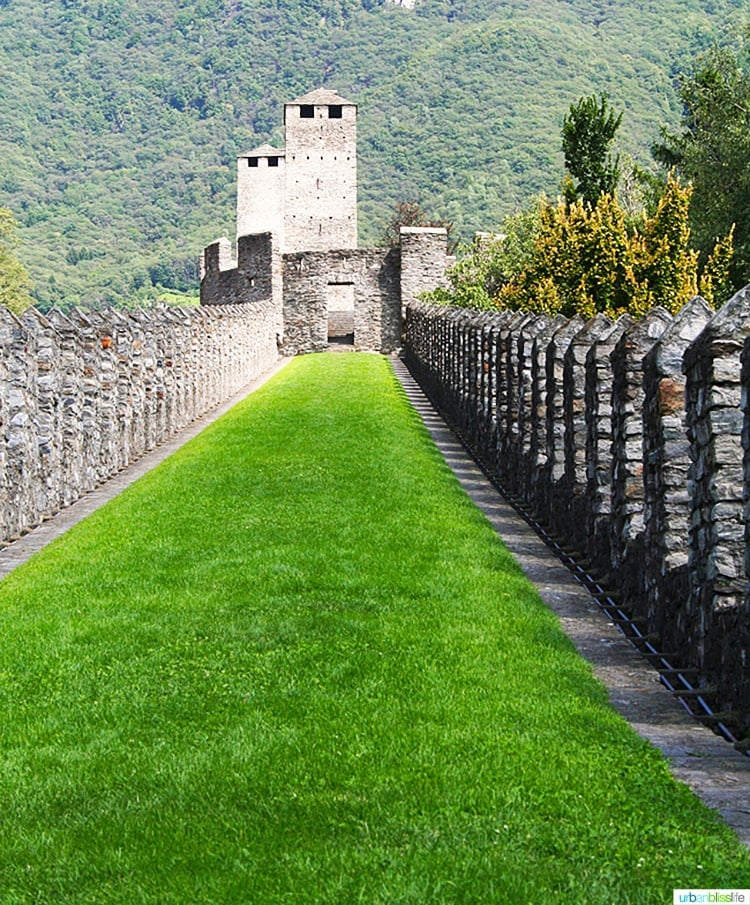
x=84, y=394
x=598, y=454
x=630, y=443
x=310, y=279
x=570, y=499
x=253, y=279
x=424, y=259
x=627, y=485
x=666, y=465
x=328, y=293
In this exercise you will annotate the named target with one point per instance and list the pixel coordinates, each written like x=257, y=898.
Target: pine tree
x=587, y=135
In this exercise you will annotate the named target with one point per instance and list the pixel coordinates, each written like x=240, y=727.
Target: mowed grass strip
x=295, y=664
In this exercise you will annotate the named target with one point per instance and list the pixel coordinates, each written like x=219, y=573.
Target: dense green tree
x=491, y=261
x=476, y=277
x=664, y=262
x=581, y=263
x=180, y=275
x=15, y=285
x=587, y=135
x=713, y=150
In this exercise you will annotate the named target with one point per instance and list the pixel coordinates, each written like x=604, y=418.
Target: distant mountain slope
x=120, y=121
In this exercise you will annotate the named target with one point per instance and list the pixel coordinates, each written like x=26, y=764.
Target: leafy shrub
x=582, y=259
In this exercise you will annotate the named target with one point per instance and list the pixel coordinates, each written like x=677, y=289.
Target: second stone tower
x=306, y=193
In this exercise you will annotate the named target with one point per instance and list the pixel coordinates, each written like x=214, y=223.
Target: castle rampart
x=316, y=296
x=84, y=394
x=327, y=292
x=636, y=467
x=640, y=468
x=598, y=453
x=424, y=261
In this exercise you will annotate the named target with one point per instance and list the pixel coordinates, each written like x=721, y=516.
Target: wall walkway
x=719, y=775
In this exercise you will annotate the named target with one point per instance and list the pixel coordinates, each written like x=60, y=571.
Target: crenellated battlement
x=84, y=394
x=630, y=443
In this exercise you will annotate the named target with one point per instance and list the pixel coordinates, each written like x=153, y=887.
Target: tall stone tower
x=321, y=185
x=307, y=193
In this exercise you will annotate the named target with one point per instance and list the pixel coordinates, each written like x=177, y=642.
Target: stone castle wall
x=83, y=395
x=630, y=442
x=319, y=294
x=254, y=278
x=424, y=260
x=311, y=280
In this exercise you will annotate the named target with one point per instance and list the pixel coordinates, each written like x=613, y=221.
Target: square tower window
x=306, y=111
x=252, y=161
x=273, y=161
x=334, y=111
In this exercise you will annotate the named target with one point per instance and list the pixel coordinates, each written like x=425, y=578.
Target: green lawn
x=295, y=664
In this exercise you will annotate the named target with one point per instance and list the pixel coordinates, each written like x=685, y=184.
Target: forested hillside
x=120, y=120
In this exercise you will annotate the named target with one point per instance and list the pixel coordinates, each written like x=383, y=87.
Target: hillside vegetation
x=120, y=121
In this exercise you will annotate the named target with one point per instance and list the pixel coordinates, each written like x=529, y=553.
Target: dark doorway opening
x=343, y=339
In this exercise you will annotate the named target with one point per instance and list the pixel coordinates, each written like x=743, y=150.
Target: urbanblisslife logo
x=698, y=896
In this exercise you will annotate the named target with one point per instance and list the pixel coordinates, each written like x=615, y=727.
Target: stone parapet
x=569, y=496
x=84, y=394
x=666, y=463
x=643, y=472
x=598, y=417
x=628, y=404
x=424, y=261
x=536, y=461
x=717, y=620
x=521, y=406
